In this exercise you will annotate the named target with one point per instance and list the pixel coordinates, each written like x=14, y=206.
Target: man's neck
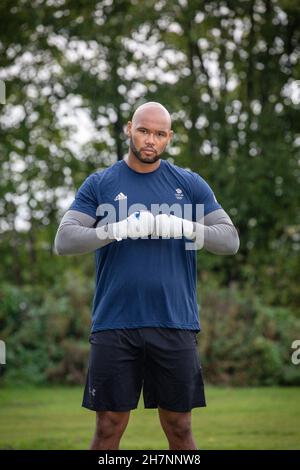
x=139, y=166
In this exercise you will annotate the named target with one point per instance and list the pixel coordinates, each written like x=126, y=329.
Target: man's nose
x=150, y=138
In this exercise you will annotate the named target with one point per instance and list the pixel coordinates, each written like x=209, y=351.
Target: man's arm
x=220, y=235
x=76, y=235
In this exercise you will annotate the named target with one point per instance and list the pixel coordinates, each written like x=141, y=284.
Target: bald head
x=149, y=133
x=155, y=110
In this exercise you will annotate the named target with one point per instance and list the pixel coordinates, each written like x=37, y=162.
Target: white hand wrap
x=170, y=226
x=137, y=225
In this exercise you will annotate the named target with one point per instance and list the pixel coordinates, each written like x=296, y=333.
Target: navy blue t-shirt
x=145, y=282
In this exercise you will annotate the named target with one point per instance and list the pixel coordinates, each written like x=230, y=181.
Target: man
x=145, y=313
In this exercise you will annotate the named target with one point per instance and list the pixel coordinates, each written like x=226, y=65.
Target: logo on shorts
x=92, y=391
x=178, y=193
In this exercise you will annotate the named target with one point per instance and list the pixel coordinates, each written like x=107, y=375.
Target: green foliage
x=46, y=332
x=223, y=69
x=245, y=342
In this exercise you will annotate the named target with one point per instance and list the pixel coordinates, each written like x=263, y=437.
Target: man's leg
x=177, y=427
x=110, y=426
x=114, y=383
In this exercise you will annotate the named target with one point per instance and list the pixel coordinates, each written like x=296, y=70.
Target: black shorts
x=164, y=361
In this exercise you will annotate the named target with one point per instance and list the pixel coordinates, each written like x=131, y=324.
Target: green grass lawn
x=251, y=418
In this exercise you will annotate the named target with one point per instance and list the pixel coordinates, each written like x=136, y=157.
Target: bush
x=244, y=342
x=46, y=332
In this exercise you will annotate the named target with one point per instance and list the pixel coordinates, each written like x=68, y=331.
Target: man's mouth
x=148, y=150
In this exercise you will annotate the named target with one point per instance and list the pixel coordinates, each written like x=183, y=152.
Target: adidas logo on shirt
x=120, y=196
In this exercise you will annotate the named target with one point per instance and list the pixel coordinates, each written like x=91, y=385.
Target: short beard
x=138, y=154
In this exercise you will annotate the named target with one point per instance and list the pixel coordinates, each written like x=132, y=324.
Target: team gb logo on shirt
x=178, y=193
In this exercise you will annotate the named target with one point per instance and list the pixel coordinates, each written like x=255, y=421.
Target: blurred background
x=229, y=74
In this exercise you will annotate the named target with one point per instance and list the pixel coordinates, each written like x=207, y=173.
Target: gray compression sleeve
x=220, y=235
x=76, y=234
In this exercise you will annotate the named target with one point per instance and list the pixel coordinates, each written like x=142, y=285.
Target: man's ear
x=171, y=134
x=128, y=128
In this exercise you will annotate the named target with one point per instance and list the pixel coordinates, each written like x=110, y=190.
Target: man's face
x=149, y=135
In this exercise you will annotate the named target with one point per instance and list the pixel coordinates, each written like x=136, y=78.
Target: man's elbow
x=59, y=246
x=230, y=245
x=234, y=245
